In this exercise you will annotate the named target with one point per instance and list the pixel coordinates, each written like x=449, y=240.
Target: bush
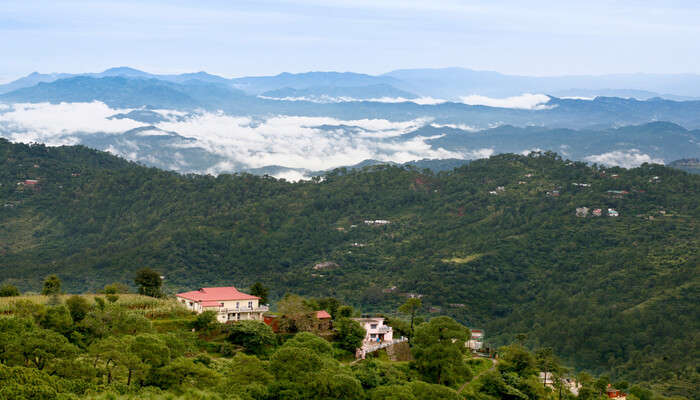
x=8, y=290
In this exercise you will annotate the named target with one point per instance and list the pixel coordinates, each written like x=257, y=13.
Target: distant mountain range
x=297, y=125
x=447, y=83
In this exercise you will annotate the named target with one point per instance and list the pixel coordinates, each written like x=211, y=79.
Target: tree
x=184, y=372
x=294, y=364
x=411, y=307
x=244, y=370
x=78, y=307
x=344, y=312
x=38, y=347
x=297, y=316
x=261, y=291
x=310, y=342
x=205, y=322
x=115, y=288
x=57, y=318
x=349, y=334
x=8, y=290
x=546, y=362
x=439, y=349
x=149, y=282
x=52, y=285
x=255, y=336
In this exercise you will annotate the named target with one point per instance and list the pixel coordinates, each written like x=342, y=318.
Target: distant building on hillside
x=613, y=213
x=376, y=330
x=547, y=379
x=228, y=303
x=377, y=222
x=476, y=340
x=597, y=212
x=582, y=212
x=615, y=393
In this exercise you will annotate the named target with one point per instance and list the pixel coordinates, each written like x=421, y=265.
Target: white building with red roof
x=228, y=302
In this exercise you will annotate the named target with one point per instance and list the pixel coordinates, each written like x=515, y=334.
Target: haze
x=265, y=37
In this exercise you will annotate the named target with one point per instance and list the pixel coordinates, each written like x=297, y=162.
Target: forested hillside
x=496, y=244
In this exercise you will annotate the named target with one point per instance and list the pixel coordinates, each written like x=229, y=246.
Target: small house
x=613, y=213
x=228, y=303
x=476, y=340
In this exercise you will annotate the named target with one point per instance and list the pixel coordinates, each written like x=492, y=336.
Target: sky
x=260, y=37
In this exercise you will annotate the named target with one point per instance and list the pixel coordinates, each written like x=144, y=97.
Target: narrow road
x=493, y=361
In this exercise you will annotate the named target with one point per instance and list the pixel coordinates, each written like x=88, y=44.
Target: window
x=373, y=326
x=250, y=304
x=237, y=303
x=373, y=335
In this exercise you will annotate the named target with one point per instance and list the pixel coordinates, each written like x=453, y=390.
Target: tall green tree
x=411, y=308
x=149, y=282
x=258, y=289
x=349, y=334
x=255, y=336
x=438, y=351
x=78, y=307
x=52, y=286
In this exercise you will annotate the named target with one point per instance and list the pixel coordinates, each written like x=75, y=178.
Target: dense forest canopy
x=496, y=244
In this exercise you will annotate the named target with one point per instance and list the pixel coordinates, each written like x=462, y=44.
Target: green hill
x=610, y=294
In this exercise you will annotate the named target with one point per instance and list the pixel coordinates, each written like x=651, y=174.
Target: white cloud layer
x=58, y=123
x=623, y=158
x=311, y=143
x=526, y=101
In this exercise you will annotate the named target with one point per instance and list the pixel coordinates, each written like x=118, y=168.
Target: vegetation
x=613, y=295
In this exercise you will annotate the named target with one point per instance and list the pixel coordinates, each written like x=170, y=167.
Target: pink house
x=228, y=303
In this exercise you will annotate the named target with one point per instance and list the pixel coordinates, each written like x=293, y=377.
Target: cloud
x=59, y=123
x=463, y=127
x=238, y=142
x=314, y=143
x=292, y=176
x=533, y=150
x=480, y=153
x=525, y=101
x=623, y=158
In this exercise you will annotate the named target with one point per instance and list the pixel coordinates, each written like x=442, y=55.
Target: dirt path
x=493, y=361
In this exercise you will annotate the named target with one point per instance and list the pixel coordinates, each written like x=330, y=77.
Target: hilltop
x=495, y=243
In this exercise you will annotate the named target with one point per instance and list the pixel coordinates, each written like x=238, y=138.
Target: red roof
x=322, y=314
x=211, y=304
x=214, y=294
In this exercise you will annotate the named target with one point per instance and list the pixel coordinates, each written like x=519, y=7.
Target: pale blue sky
x=236, y=38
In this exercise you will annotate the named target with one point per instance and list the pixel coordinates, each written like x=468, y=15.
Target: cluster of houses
x=230, y=305
x=583, y=212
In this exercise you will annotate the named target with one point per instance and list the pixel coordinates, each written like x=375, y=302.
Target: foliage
x=349, y=334
x=411, y=307
x=438, y=351
x=255, y=336
x=609, y=295
x=258, y=289
x=149, y=282
x=205, y=321
x=8, y=290
x=52, y=285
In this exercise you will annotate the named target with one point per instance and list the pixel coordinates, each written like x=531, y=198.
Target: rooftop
x=214, y=294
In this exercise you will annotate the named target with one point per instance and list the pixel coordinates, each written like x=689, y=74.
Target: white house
x=476, y=341
x=228, y=303
x=377, y=331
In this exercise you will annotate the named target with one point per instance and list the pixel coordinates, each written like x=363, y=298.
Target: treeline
x=612, y=295
x=77, y=348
